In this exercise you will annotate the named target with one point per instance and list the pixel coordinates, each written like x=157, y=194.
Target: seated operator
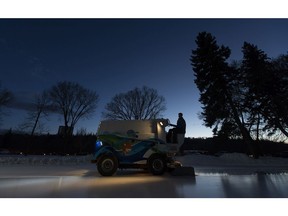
x=178, y=133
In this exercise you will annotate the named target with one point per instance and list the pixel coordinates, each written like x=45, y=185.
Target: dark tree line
x=241, y=99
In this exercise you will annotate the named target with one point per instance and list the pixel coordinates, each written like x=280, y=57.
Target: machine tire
x=107, y=165
x=157, y=164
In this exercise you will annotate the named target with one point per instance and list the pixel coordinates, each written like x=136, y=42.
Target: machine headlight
x=98, y=144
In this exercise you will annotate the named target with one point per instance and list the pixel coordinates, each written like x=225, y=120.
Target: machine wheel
x=157, y=164
x=107, y=165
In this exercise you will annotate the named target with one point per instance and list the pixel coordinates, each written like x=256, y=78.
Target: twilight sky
x=113, y=56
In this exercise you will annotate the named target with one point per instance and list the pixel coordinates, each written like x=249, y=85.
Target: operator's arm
x=173, y=125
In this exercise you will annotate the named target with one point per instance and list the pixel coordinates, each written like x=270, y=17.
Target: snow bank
x=231, y=159
x=44, y=160
x=228, y=163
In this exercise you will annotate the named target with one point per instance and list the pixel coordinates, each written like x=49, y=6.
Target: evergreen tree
x=256, y=69
x=275, y=111
x=222, y=100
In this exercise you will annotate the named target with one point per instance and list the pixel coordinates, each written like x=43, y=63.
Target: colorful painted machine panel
x=127, y=149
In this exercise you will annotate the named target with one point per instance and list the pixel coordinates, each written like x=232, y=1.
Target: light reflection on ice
x=211, y=174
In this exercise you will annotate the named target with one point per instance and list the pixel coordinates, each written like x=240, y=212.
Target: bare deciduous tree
x=39, y=110
x=136, y=104
x=5, y=98
x=73, y=102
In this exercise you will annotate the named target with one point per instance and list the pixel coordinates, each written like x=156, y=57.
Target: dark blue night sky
x=112, y=56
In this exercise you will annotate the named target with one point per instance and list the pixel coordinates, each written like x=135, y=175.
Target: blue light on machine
x=98, y=144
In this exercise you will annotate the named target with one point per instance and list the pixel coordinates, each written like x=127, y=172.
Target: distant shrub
x=214, y=145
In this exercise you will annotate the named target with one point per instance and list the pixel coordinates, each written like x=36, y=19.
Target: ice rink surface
x=83, y=181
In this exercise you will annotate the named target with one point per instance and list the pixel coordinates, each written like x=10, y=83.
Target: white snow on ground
x=47, y=160
x=231, y=159
x=228, y=163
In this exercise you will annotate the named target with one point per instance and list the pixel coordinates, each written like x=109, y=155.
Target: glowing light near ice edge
x=120, y=180
x=35, y=181
x=211, y=174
